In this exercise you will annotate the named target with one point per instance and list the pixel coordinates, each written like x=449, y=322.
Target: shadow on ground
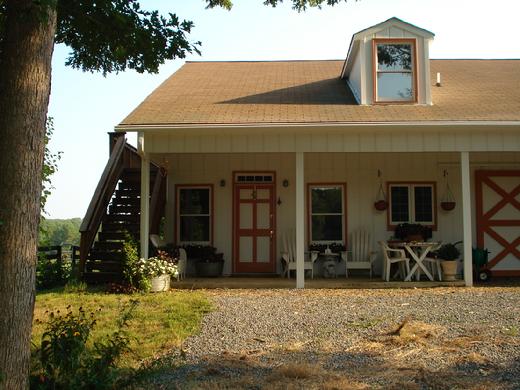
x=415, y=355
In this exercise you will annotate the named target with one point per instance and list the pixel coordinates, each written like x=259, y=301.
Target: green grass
x=161, y=322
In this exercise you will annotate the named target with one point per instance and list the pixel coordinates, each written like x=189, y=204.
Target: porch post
x=145, y=205
x=300, y=213
x=466, y=218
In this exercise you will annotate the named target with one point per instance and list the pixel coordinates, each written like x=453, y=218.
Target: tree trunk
x=25, y=75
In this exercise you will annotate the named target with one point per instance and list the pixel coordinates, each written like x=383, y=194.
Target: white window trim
x=343, y=189
x=179, y=215
x=411, y=203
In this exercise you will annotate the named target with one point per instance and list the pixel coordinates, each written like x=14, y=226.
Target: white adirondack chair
x=392, y=256
x=289, y=255
x=361, y=255
x=182, y=264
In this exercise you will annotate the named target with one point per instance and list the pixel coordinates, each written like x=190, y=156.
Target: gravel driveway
x=441, y=338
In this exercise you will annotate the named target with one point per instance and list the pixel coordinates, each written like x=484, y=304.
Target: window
x=327, y=213
x=194, y=214
x=394, y=70
x=412, y=202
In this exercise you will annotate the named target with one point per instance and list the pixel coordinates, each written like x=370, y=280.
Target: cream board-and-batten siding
x=396, y=138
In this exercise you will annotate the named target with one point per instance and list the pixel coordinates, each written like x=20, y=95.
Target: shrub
x=448, y=252
x=50, y=272
x=63, y=360
x=133, y=278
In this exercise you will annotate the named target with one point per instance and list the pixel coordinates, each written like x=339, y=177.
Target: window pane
x=423, y=204
x=394, y=56
x=194, y=201
x=326, y=200
x=327, y=228
x=194, y=228
x=394, y=86
x=400, y=202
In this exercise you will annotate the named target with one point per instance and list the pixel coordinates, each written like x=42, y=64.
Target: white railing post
x=300, y=220
x=145, y=205
x=466, y=217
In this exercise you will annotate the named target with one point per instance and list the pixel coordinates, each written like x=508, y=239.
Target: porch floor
x=284, y=283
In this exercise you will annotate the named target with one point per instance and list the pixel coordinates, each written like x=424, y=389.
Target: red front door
x=498, y=219
x=254, y=233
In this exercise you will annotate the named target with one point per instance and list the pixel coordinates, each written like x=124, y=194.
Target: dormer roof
x=394, y=28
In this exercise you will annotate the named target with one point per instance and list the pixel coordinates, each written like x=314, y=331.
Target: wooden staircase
x=114, y=212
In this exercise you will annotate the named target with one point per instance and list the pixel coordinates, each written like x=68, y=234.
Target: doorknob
x=271, y=233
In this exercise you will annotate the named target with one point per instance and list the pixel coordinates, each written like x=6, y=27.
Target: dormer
x=389, y=64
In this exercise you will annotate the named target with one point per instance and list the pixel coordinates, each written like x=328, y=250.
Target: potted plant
x=449, y=254
x=412, y=232
x=158, y=270
x=208, y=263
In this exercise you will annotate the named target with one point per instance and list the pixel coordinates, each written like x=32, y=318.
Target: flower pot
x=210, y=269
x=449, y=270
x=380, y=205
x=160, y=283
x=448, y=206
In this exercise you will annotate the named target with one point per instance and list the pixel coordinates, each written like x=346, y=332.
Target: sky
x=86, y=106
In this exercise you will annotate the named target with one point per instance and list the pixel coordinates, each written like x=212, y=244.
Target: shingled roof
x=279, y=92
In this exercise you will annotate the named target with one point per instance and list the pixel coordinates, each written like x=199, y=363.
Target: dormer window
x=395, y=76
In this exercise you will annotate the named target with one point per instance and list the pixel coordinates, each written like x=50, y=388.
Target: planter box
x=209, y=269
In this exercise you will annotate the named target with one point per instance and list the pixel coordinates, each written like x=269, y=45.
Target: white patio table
x=418, y=252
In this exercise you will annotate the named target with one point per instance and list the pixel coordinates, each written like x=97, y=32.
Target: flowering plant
x=156, y=266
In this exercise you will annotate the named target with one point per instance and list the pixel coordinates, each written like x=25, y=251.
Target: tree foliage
x=50, y=164
x=60, y=231
x=114, y=35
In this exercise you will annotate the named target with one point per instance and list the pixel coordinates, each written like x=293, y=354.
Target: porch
x=273, y=282
x=293, y=169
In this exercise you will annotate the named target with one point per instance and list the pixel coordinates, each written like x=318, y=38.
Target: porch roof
x=306, y=92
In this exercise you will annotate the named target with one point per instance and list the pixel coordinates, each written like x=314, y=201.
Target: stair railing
x=101, y=199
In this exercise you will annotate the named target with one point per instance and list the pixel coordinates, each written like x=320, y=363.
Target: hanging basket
x=448, y=205
x=447, y=200
x=381, y=204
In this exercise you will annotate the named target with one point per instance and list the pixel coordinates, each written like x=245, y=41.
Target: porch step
x=111, y=236
x=123, y=209
x=104, y=266
x=122, y=218
x=108, y=245
x=120, y=227
x=128, y=193
x=126, y=201
x=100, y=255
